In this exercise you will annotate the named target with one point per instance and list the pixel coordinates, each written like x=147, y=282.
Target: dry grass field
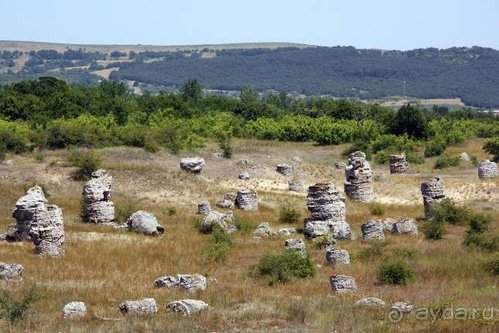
x=103, y=267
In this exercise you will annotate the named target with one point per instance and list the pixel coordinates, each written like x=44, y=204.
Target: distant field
x=60, y=47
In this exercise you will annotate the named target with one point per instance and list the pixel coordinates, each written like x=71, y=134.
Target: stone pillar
x=359, y=178
x=398, y=164
x=432, y=191
x=247, y=200
x=97, y=208
x=328, y=212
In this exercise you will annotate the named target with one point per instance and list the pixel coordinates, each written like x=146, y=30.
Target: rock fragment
x=372, y=230
x=285, y=169
x=187, y=307
x=11, y=272
x=144, y=223
x=432, y=191
x=74, y=310
x=192, y=164
x=144, y=307
x=337, y=256
x=187, y=282
x=247, y=200
x=343, y=284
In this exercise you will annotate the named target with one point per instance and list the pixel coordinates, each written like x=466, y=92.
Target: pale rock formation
x=343, y=284
x=398, y=164
x=487, y=169
x=432, y=191
x=359, y=178
x=247, y=200
x=144, y=223
x=144, y=307
x=372, y=230
x=97, y=208
x=328, y=213
x=186, y=282
x=337, y=256
x=192, y=164
x=74, y=310
x=187, y=307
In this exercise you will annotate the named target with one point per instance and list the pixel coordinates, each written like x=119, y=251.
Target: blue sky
x=383, y=24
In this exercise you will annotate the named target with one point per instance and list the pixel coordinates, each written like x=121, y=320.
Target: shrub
x=226, y=145
x=433, y=230
x=287, y=214
x=482, y=241
x=14, y=137
x=284, y=267
x=245, y=226
x=220, y=248
x=87, y=162
x=478, y=222
x=377, y=209
x=492, y=147
x=414, y=158
x=12, y=310
x=445, y=162
x=382, y=157
x=491, y=265
x=124, y=211
x=446, y=211
x=394, y=273
x=434, y=148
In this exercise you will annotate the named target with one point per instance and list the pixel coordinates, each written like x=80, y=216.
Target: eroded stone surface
x=187, y=282
x=370, y=301
x=144, y=307
x=192, y=164
x=296, y=185
x=359, y=178
x=328, y=212
x=403, y=307
x=372, y=230
x=398, y=164
x=263, y=230
x=144, y=223
x=337, y=256
x=285, y=169
x=247, y=200
x=244, y=176
x=204, y=208
x=74, y=310
x=432, y=191
x=487, y=169
x=295, y=244
x=28, y=208
x=405, y=227
x=11, y=272
x=97, y=207
x=224, y=221
x=343, y=284
x=187, y=307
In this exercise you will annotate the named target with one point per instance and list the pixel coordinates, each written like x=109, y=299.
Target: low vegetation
x=395, y=273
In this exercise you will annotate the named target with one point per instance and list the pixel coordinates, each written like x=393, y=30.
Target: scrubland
x=103, y=267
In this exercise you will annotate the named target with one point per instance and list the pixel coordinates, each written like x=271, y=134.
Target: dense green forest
x=471, y=74
x=49, y=113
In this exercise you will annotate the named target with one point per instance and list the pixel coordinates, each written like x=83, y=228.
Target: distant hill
x=471, y=74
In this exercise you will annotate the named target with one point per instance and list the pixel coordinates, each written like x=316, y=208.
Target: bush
x=124, y=211
x=491, y=265
x=87, y=162
x=482, y=241
x=14, y=137
x=434, y=148
x=377, y=209
x=245, y=226
x=394, y=273
x=446, y=211
x=492, y=147
x=479, y=223
x=414, y=158
x=433, y=230
x=226, y=145
x=220, y=248
x=12, y=310
x=284, y=267
x=445, y=162
x=287, y=214
x=382, y=157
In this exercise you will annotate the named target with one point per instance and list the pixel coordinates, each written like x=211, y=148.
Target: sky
x=381, y=24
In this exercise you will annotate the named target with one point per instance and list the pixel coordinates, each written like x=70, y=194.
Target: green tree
x=191, y=91
x=411, y=120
